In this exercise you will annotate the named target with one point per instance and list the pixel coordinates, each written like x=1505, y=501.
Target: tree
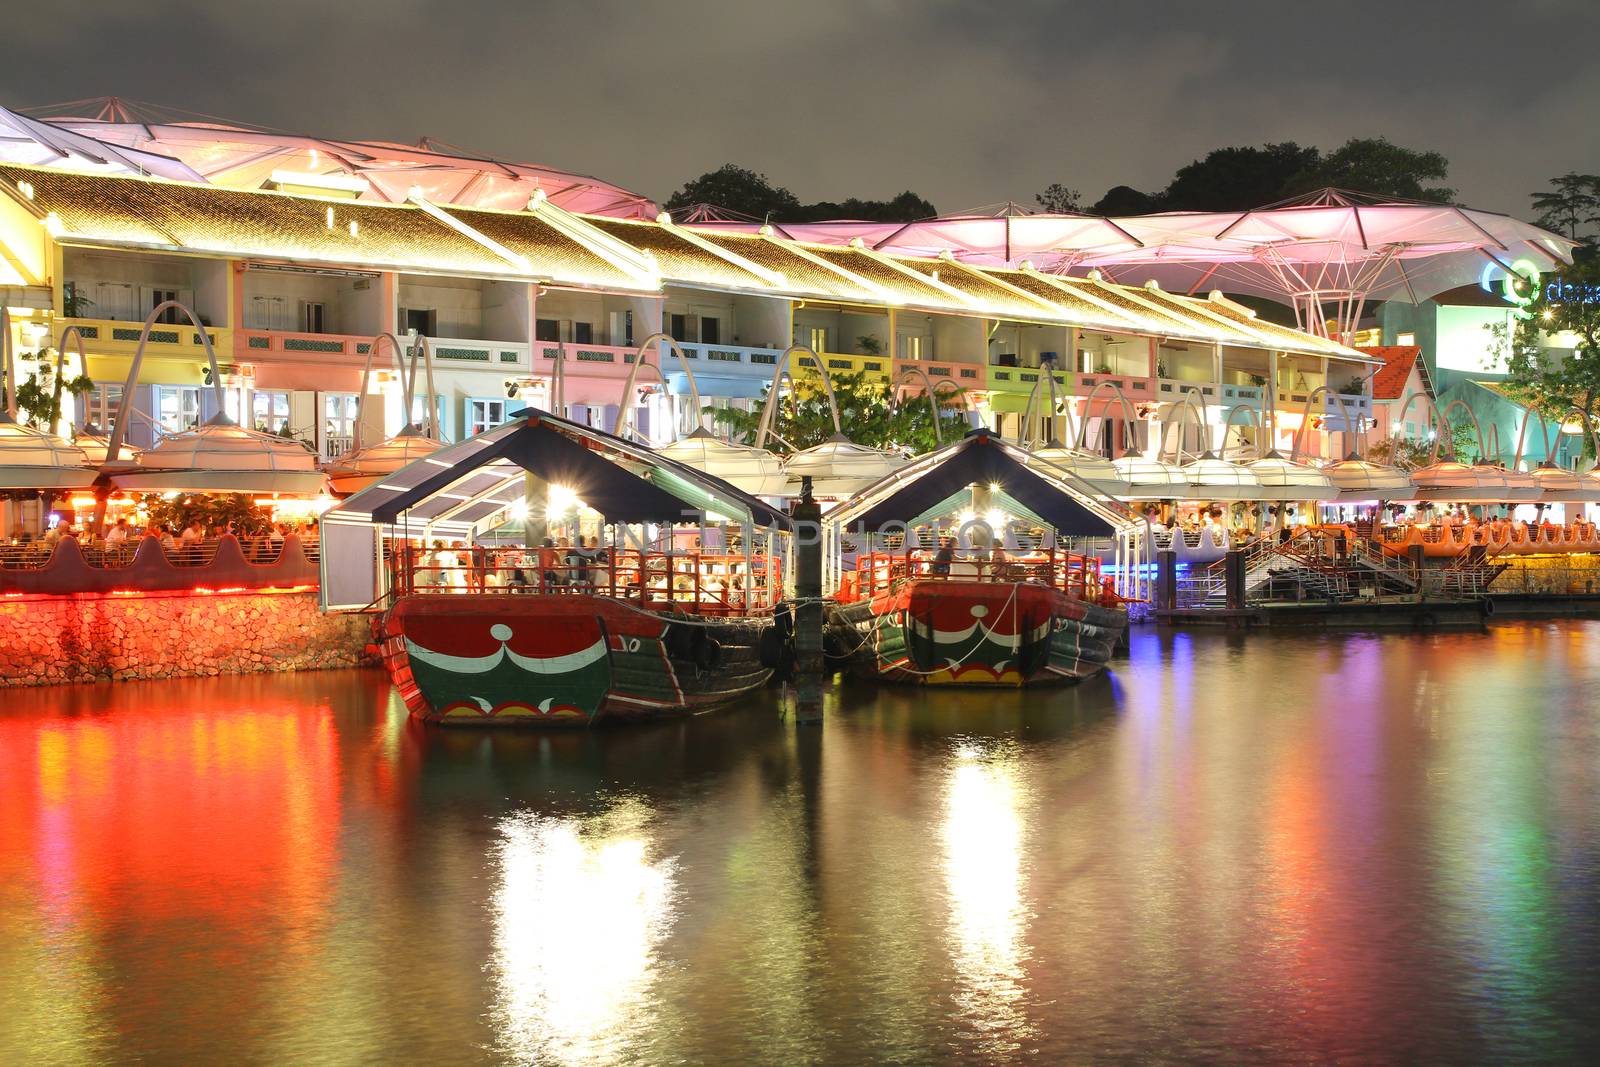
x=39, y=396
x=1556, y=381
x=1409, y=454
x=1376, y=165
x=1237, y=179
x=1126, y=200
x=1057, y=199
x=865, y=411
x=1571, y=205
x=907, y=207
x=212, y=509
x=736, y=189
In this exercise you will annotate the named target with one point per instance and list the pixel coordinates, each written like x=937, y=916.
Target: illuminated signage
x=1520, y=287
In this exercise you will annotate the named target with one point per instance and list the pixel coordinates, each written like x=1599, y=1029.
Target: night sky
x=966, y=103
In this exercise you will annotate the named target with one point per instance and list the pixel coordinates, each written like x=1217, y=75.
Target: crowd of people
x=118, y=541
x=584, y=565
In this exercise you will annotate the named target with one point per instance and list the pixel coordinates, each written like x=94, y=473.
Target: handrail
x=652, y=580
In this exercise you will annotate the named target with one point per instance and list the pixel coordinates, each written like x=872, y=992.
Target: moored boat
x=666, y=609
x=972, y=567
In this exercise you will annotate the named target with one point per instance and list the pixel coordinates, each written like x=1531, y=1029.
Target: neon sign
x=1519, y=285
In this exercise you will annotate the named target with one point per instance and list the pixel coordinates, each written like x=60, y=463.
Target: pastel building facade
x=541, y=306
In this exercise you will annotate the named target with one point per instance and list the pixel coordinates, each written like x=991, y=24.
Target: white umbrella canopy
x=1210, y=478
x=1151, y=479
x=1477, y=483
x=34, y=459
x=96, y=444
x=1561, y=486
x=839, y=468
x=357, y=469
x=753, y=470
x=1283, y=479
x=1359, y=479
x=222, y=457
x=1097, y=470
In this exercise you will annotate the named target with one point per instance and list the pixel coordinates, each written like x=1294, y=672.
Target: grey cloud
x=965, y=102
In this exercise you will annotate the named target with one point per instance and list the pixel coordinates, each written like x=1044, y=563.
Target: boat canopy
x=466, y=488
x=1069, y=504
x=458, y=487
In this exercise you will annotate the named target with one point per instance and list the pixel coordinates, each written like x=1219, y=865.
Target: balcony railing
x=121, y=337
x=1251, y=396
x=876, y=368
x=965, y=375
x=1175, y=389
x=1135, y=387
x=1010, y=379
x=488, y=354
x=336, y=445
x=253, y=344
x=707, y=358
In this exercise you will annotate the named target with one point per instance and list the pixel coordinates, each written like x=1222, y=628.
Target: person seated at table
x=944, y=557
x=999, y=564
x=117, y=534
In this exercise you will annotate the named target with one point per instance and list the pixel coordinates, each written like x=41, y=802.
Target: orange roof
x=1390, y=381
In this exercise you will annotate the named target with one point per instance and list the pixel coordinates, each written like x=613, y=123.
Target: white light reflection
x=578, y=915
x=982, y=837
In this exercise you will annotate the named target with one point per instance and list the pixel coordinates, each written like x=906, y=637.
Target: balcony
x=713, y=359
x=117, y=338
x=1134, y=387
x=965, y=375
x=1174, y=390
x=489, y=355
x=592, y=374
x=255, y=344
x=1251, y=396
x=876, y=368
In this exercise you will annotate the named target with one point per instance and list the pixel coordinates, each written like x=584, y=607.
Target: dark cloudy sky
x=965, y=102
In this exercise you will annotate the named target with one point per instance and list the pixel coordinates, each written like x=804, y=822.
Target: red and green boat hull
x=952, y=632
x=536, y=660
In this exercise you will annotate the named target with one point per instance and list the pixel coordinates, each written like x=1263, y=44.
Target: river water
x=1273, y=849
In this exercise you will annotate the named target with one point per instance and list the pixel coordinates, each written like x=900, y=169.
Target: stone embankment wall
x=51, y=640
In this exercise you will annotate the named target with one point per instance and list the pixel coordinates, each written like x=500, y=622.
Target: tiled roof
x=549, y=245
x=1390, y=381
x=260, y=225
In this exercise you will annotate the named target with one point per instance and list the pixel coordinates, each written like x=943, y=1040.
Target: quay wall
x=50, y=640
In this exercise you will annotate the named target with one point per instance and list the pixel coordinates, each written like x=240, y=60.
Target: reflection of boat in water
x=944, y=591
x=647, y=624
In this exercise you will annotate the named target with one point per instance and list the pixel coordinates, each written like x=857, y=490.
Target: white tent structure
x=1328, y=251
x=133, y=137
x=42, y=144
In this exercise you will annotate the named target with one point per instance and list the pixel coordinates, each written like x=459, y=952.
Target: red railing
x=702, y=583
x=1077, y=576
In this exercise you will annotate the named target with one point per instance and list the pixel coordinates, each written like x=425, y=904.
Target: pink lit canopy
x=1328, y=251
x=202, y=148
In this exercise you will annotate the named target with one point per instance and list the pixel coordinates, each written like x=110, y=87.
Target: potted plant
x=869, y=345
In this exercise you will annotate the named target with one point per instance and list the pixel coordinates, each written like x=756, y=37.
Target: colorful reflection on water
x=1282, y=848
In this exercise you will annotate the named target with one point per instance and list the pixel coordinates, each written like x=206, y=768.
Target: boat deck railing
x=1077, y=576
x=700, y=583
